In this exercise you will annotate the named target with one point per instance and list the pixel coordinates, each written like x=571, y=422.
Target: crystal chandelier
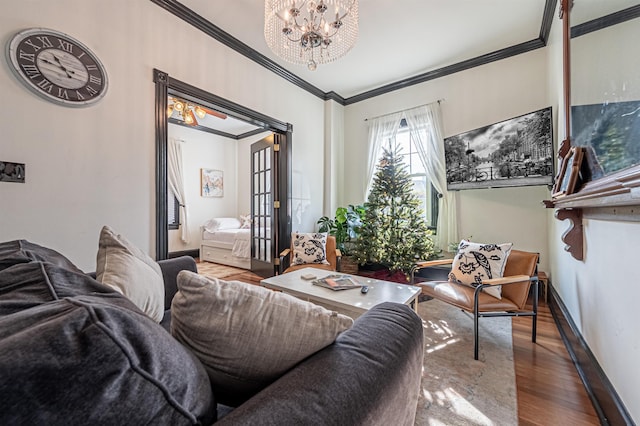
x=310, y=32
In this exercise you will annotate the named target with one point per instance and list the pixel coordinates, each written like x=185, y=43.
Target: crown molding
x=605, y=21
x=192, y=18
x=451, y=69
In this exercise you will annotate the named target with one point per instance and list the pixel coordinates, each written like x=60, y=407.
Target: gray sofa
x=72, y=351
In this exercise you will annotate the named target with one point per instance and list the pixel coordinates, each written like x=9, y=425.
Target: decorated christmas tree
x=394, y=231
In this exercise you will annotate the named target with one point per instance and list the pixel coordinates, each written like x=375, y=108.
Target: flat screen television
x=513, y=152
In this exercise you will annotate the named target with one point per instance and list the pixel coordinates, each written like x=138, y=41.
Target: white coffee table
x=352, y=302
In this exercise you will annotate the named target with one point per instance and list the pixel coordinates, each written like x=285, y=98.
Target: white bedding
x=237, y=240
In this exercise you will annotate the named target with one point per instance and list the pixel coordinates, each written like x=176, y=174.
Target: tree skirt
x=386, y=275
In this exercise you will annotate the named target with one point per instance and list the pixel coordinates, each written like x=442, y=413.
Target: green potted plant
x=345, y=226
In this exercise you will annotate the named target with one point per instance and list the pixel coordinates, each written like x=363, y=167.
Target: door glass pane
x=262, y=206
x=268, y=181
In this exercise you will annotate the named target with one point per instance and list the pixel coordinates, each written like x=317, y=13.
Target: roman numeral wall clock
x=57, y=67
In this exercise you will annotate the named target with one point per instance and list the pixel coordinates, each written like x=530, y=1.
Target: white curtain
x=176, y=183
x=425, y=125
x=380, y=129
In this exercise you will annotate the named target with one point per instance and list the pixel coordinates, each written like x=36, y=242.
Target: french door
x=268, y=208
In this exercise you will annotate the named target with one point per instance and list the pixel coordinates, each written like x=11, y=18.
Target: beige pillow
x=245, y=335
x=475, y=262
x=309, y=248
x=128, y=270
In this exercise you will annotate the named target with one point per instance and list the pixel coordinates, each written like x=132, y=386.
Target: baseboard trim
x=605, y=399
x=195, y=253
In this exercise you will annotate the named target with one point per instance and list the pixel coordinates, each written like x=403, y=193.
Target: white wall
x=600, y=292
x=201, y=150
x=472, y=99
x=93, y=166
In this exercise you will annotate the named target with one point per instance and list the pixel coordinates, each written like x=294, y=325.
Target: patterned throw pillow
x=309, y=248
x=245, y=221
x=475, y=262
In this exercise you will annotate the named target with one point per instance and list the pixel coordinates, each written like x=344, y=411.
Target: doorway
x=276, y=207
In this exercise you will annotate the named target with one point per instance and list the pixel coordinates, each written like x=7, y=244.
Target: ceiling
x=228, y=126
x=404, y=39
x=397, y=40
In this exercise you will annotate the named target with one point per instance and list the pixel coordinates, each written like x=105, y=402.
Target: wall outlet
x=11, y=172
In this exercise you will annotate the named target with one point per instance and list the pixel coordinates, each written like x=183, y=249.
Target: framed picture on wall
x=211, y=183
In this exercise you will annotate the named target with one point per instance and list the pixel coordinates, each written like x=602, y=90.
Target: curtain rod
x=395, y=112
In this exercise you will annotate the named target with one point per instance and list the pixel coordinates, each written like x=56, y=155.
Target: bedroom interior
x=103, y=165
x=242, y=141
x=226, y=242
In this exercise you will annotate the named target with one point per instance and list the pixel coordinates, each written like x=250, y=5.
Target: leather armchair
x=519, y=274
x=333, y=257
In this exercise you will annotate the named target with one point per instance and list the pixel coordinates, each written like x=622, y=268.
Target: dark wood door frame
x=164, y=84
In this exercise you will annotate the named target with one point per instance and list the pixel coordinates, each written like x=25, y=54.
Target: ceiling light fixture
x=310, y=32
x=187, y=112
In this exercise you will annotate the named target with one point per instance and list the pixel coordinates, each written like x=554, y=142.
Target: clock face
x=57, y=67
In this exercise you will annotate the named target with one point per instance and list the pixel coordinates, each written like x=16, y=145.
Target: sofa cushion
x=124, y=267
x=26, y=285
x=475, y=262
x=22, y=251
x=245, y=335
x=309, y=248
x=86, y=360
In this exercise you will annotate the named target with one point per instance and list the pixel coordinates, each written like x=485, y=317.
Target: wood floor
x=549, y=389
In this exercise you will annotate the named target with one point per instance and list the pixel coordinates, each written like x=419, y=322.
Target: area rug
x=215, y=270
x=456, y=389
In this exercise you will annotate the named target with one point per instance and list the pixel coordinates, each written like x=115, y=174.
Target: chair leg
x=475, y=335
x=475, y=325
x=535, y=311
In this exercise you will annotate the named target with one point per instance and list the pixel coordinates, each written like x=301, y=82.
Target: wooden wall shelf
x=615, y=197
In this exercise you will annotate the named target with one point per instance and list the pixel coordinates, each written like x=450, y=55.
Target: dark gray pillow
x=22, y=251
x=86, y=360
x=25, y=285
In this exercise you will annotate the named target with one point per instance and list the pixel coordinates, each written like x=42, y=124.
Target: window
x=421, y=184
x=173, y=211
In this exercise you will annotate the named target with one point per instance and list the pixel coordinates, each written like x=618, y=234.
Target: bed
x=226, y=241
